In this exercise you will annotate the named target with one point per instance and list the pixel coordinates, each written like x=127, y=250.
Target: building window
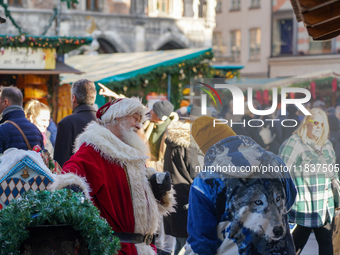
x=254, y=3
x=235, y=45
x=235, y=5
x=163, y=6
x=14, y=2
x=254, y=44
x=92, y=5
x=218, y=46
x=282, y=37
x=320, y=47
x=219, y=6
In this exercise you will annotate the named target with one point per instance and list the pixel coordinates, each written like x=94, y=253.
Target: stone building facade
x=121, y=25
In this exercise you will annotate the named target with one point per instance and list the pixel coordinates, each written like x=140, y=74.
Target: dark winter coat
x=10, y=137
x=69, y=128
x=334, y=135
x=177, y=163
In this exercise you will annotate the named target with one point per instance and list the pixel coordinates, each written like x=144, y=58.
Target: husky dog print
x=247, y=210
x=258, y=209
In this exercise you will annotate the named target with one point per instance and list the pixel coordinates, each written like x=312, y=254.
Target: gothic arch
x=170, y=41
x=111, y=41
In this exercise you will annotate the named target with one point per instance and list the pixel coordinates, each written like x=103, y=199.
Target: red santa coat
x=118, y=184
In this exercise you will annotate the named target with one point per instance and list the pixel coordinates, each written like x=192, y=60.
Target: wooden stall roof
x=321, y=17
x=60, y=68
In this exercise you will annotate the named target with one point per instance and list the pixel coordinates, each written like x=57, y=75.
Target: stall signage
x=27, y=58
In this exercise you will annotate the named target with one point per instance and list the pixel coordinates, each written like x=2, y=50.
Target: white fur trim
x=143, y=249
x=145, y=206
x=108, y=145
x=12, y=156
x=64, y=180
x=179, y=133
x=169, y=203
x=125, y=107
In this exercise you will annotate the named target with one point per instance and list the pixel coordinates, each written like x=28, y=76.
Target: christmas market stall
x=141, y=73
x=33, y=64
x=323, y=85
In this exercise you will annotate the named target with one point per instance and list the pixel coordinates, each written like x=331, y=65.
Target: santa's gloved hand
x=74, y=188
x=160, y=184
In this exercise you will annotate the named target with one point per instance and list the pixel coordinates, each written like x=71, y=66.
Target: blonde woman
x=39, y=114
x=311, y=159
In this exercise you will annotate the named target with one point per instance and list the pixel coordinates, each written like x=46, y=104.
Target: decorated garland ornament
x=62, y=44
x=35, y=208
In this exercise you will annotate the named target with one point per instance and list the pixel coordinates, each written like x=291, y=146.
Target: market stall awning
x=320, y=17
x=107, y=68
x=60, y=68
x=227, y=67
x=303, y=78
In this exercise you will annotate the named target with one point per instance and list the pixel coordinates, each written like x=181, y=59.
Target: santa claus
x=109, y=166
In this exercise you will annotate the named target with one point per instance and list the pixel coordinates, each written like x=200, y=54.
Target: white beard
x=131, y=138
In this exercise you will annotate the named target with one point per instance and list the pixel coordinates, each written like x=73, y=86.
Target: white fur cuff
x=64, y=180
x=168, y=203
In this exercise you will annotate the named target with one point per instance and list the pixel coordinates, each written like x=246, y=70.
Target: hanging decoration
x=62, y=44
x=334, y=85
x=258, y=97
x=313, y=88
x=266, y=97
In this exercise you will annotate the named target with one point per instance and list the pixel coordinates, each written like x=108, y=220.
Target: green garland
x=55, y=12
x=62, y=44
x=57, y=207
x=8, y=14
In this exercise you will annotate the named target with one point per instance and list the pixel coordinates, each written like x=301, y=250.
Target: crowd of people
x=137, y=166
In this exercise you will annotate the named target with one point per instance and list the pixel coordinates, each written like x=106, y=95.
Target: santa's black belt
x=133, y=237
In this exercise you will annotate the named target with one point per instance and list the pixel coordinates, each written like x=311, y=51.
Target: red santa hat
x=119, y=108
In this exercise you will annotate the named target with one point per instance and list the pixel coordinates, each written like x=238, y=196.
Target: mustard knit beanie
x=206, y=135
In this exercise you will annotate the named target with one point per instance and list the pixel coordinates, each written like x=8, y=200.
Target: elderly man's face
x=126, y=124
x=126, y=130
x=131, y=122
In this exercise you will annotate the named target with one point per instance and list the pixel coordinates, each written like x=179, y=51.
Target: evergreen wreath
x=35, y=208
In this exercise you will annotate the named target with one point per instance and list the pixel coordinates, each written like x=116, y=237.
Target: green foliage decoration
x=35, y=208
x=62, y=44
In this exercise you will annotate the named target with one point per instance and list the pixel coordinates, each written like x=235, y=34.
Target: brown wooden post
x=55, y=97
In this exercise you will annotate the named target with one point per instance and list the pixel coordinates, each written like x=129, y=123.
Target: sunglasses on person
x=316, y=123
